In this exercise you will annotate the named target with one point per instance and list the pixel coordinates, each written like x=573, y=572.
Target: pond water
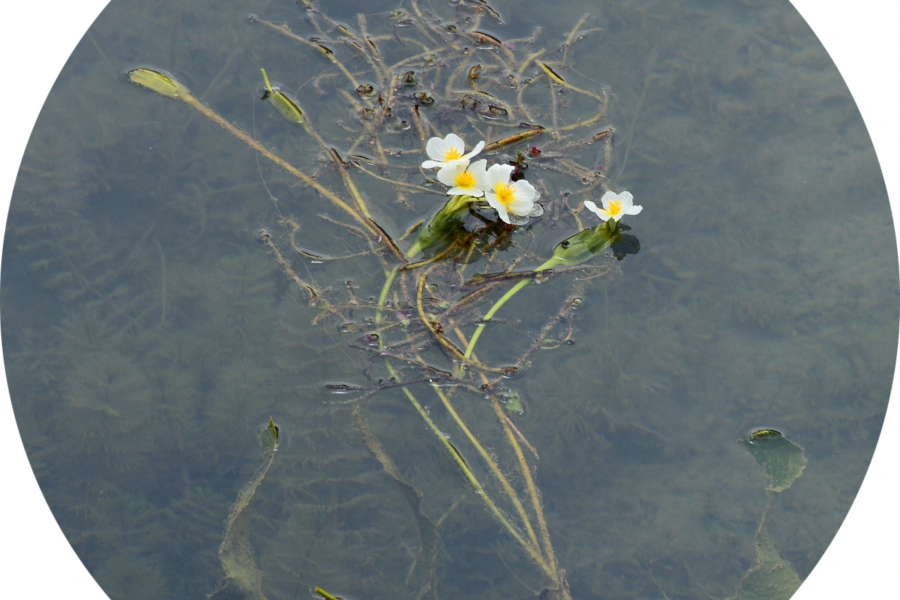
x=150, y=331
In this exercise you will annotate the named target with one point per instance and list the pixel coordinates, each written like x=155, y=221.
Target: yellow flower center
x=615, y=207
x=505, y=194
x=452, y=154
x=465, y=180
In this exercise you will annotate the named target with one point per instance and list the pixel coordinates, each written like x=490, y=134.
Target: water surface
x=149, y=335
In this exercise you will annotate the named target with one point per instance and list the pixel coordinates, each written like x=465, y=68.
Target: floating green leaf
x=781, y=458
x=269, y=436
x=444, y=228
x=550, y=72
x=283, y=103
x=585, y=244
x=513, y=403
x=159, y=82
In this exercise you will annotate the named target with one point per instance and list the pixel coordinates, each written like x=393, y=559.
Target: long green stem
x=492, y=465
x=384, y=292
x=325, y=594
x=532, y=549
x=215, y=117
x=512, y=292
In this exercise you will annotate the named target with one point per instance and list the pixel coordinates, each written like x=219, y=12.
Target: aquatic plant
x=414, y=75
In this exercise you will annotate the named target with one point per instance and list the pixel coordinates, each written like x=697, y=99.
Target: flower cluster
x=514, y=201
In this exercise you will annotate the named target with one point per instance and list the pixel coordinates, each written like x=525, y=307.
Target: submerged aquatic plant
x=407, y=77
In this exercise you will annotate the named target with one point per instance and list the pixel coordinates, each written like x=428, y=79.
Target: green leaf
x=782, y=459
x=159, y=82
x=444, y=228
x=513, y=403
x=586, y=244
x=286, y=105
x=268, y=437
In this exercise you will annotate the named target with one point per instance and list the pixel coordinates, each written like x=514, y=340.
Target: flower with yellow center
x=464, y=179
x=514, y=201
x=615, y=206
x=442, y=152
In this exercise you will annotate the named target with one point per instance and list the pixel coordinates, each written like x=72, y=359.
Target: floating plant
x=416, y=71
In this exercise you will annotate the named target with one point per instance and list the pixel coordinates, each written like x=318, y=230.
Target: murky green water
x=149, y=334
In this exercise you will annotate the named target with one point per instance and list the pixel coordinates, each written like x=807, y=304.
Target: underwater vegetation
x=398, y=243
x=422, y=330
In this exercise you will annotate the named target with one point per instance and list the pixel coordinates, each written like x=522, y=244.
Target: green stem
x=493, y=466
x=266, y=79
x=384, y=292
x=512, y=292
x=532, y=551
x=325, y=594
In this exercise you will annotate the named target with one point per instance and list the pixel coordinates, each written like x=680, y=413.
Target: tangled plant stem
x=387, y=88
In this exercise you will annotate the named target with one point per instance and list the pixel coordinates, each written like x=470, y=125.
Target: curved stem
x=492, y=465
x=384, y=292
x=529, y=483
x=244, y=137
x=512, y=292
x=532, y=549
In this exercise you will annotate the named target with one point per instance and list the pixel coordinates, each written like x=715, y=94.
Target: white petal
x=475, y=150
x=477, y=168
x=523, y=190
x=436, y=149
x=521, y=207
x=604, y=215
x=447, y=174
x=633, y=210
x=496, y=205
x=626, y=198
x=454, y=141
x=430, y=164
x=458, y=191
x=536, y=211
x=498, y=174
x=515, y=219
x=607, y=198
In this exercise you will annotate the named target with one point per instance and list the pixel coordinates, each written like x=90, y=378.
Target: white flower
x=615, y=206
x=444, y=151
x=464, y=179
x=514, y=201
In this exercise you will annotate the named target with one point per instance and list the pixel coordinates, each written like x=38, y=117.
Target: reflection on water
x=148, y=329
